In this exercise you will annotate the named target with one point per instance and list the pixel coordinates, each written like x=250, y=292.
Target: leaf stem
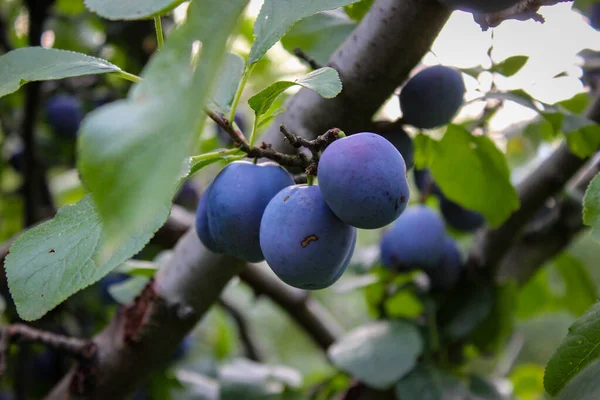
x=160, y=39
x=130, y=77
x=238, y=94
x=208, y=156
x=254, y=129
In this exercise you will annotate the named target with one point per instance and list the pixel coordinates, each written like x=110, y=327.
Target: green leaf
x=29, y=64
x=527, y=381
x=403, y=304
x=379, y=353
x=227, y=84
x=584, y=386
x=510, y=66
x=576, y=104
x=138, y=268
x=276, y=17
x=518, y=96
x=325, y=81
x=580, y=290
x=578, y=350
x=429, y=383
x=133, y=151
x=471, y=171
x=243, y=379
x=357, y=11
x=308, y=35
x=125, y=292
x=130, y=9
x=585, y=141
x=54, y=260
x=591, y=207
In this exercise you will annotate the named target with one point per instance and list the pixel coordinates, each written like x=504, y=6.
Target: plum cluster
x=306, y=233
x=456, y=216
x=418, y=240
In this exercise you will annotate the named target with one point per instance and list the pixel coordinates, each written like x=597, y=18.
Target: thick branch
x=373, y=61
x=546, y=181
x=526, y=9
x=184, y=289
x=308, y=313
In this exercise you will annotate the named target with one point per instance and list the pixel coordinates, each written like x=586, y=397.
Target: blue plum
x=202, y=227
x=480, y=6
x=432, y=97
x=415, y=240
x=445, y=275
x=304, y=243
x=363, y=180
x=64, y=114
x=460, y=218
x=404, y=144
x=236, y=202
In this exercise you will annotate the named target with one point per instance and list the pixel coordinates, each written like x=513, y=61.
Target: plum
x=432, y=97
x=403, y=143
x=445, y=275
x=202, y=228
x=479, y=6
x=64, y=114
x=415, y=240
x=460, y=218
x=304, y=243
x=363, y=180
x=424, y=181
x=236, y=202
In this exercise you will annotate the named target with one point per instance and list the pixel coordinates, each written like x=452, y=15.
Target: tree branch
x=546, y=181
x=373, y=61
x=250, y=347
x=185, y=287
x=307, y=312
x=526, y=9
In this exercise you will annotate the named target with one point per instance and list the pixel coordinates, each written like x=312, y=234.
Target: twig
x=80, y=349
x=298, y=52
x=526, y=9
x=250, y=347
x=308, y=313
x=265, y=150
